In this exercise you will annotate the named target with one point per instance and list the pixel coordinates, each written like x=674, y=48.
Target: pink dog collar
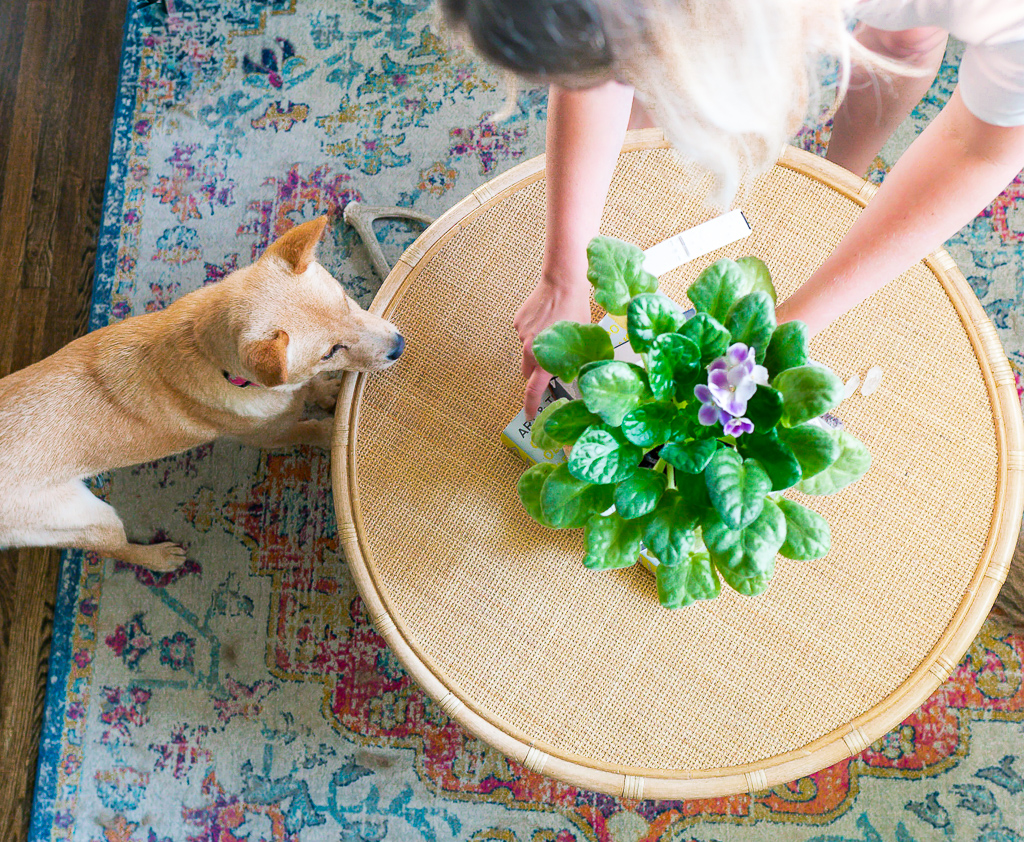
x=237, y=381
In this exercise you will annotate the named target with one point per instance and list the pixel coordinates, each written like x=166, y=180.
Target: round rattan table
x=581, y=675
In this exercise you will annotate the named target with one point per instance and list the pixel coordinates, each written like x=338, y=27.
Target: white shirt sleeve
x=992, y=69
x=992, y=82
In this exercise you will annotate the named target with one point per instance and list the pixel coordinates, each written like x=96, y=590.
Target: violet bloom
x=738, y=426
x=732, y=381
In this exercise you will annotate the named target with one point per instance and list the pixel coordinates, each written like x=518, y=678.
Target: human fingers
x=535, y=387
x=529, y=362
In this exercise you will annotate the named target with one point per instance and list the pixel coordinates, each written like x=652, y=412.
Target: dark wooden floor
x=58, y=76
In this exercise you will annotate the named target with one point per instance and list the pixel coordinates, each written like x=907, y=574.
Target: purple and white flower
x=736, y=427
x=732, y=381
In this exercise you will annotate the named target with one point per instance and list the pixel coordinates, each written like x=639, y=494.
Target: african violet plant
x=689, y=453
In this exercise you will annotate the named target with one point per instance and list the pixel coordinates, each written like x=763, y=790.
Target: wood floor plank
x=19, y=173
x=96, y=62
x=23, y=685
x=58, y=74
x=12, y=30
x=31, y=306
x=41, y=229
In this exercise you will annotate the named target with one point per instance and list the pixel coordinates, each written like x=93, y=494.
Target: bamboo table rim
x=635, y=782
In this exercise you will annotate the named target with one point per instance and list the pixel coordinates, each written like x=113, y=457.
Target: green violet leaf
x=615, y=268
x=640, y=494
x=603, y=455
x=612, y=542
x=649, y=316
x=708, y=335
x=851, y=464
x=612, y=390
x=529, y=486
x=752, y=322
x=668, y=530
x=746, y=553
x=737, y=487
x=718, y=288
x=807, y=392
x=565, y=346
x=759, y=276
x=764, y=409
x=788, y=348
x=673, y=367
x=694, y=491
x=746, y=585
x=567, y=502
x=691, y=457
x=539, y=438
x=815, y=447
x=807, y=532
x=567, y=423
x=591, y=365
x=684, y=584
x=650, y=424
x=774, y=456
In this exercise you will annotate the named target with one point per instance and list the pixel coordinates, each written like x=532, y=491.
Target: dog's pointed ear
x=297, y=247
x=268, y=359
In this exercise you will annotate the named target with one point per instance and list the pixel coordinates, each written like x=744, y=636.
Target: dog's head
x=298, y=320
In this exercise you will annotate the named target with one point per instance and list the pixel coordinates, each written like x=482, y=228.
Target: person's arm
x=876, y=103
x=948, y=175
x=584, y=136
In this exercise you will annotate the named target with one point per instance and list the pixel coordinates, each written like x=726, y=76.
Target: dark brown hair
x=537, y=39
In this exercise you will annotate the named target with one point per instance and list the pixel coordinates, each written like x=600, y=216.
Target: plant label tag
x=696, y=242
x=616, y=328
x=516, y=436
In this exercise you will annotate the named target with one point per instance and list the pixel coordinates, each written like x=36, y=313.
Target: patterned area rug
x=246, y=696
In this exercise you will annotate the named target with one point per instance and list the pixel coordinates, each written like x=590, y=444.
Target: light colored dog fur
x=158, y=384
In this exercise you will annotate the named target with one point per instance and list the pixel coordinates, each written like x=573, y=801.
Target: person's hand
x=585, y=130
x=552, y=300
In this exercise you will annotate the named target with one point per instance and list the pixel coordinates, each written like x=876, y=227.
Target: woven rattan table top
x=582, y=675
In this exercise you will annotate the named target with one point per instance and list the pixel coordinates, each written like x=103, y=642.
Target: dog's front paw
x=325, y=392
x=160, y=558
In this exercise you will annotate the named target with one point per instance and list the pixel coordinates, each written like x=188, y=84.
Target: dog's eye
x=333, y=351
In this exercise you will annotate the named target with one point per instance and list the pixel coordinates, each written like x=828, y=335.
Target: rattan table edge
x=842, y=742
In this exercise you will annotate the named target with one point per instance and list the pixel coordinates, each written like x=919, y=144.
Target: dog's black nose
x=396, y=352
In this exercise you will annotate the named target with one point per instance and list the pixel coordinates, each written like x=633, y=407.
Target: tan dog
x=239, y=358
